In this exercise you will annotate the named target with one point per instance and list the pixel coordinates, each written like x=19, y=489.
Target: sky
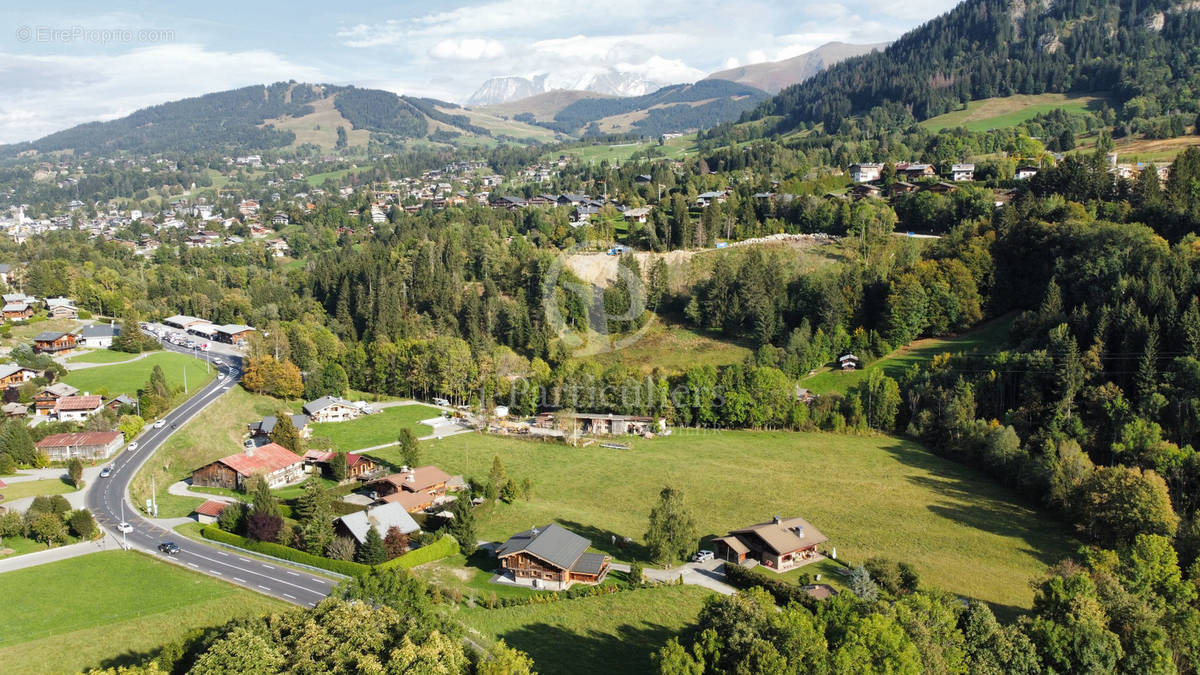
x=68, y=62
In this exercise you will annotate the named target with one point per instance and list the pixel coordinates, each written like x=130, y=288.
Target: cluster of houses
x=20, y=307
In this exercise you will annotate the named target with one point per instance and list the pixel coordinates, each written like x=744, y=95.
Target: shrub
x=233, y=518
x=435, y=551
x=341, y=548
x=264, y=526
x=48, y=528
x=11, y=525
x=83, y=525
x=8, y=465
x=783, y=592
x=290, y=554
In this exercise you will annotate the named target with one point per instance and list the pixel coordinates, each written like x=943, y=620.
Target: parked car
x=106, y=472
x=132, y=447
x=703, y=555
x=169, y=547
x=124, y=527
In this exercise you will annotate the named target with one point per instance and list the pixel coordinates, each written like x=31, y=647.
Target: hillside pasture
x=1009, y=111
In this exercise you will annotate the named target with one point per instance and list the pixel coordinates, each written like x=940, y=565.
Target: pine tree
x=410, y=452
x=496, y=476
x=462, y=526
x=262, y=500
x=286, y=434
x=372, y=551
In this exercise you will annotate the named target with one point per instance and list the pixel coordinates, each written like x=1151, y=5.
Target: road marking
x=267, y=566
x=193, y=565
x=223, y=553
x=315, y=579
x=293, y=574
x=286, y=595
x=216, y=573
x=242, y=559
x=263, y=587
x=239, y=580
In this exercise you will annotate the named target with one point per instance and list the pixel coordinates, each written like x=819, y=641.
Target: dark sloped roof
x=589, y=563
x=551, y=543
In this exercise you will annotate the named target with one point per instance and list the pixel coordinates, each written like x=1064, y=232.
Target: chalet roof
x=59, y=389
x=48, y=336
x=51, y=303
x=16, y=306
x=589, y=563
x=10, y=369
x=409, y=500
x=418, y=479
x=963, y=167
x=212, y=508
x=382, y=518
x=267, y=459
x=267, y=424
x=785, y=535
x=14, y=409
x=79, y=438
x=70, y=403
x=99, y=330
x=552, y=543
x=313, y=407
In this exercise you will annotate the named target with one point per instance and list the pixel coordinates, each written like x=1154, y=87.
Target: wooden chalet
x=274, y=462
x=45, y=402
x=778, y=544
x=53, y=342
x=12, y=375
x=17, y=311
x=415, y=489
x=358, y=467
x=331, y=409
x=551, y=557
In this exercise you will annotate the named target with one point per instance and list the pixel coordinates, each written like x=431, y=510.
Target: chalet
x=232, y=333
x=706, y=198
x=913, y=171
x=962, y=172
x=7, y=274
x=941, y=187
x=46, y=401
x=416, y=489
x=510, y=203
x=900, y=187
x=17, y=311
x=381, y=518
x=278, y=465
x=778, y=544
x=541, y=200
x=864, y=191
x=98, y=335
x=12, y=375
x=551, y=557
x=77, y=408
x=358, y=467
x=120, y=402
x=643, y=178
x=331, y=409
x=61, y=308
x=208, y=512
x=279, y=219
x=53, y=342
x=264, y=427
x=847, y=362
x=278, y=248
x=84, y=445
x=1025, y=172
x=865, y=173
x=14, y=409
x=608, y=423
x=638, y=215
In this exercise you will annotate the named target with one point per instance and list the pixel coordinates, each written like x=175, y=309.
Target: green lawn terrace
x=129, y=376
x=376, y=429
x=871, y=495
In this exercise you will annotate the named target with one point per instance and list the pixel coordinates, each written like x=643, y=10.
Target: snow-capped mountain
x=600, y=80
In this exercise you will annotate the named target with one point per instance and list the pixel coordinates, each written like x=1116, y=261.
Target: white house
x=331, y=409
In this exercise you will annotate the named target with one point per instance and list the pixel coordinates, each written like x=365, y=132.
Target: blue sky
x=63, y=63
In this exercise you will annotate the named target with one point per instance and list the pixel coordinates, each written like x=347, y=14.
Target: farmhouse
x=778, y=544
x=97, y=335
x=12, y=375
x=278, y=465
x=264, y=427
x=84, y=445
x=551, y=557
x=382, y=518
x=331, y=409
x=77, y=408
x=61, y=308
x=53, y=342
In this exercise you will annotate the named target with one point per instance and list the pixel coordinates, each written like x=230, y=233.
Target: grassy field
x=24, y=334
x=1008, y=111
x=20, y=546
x=990, y=336
x=871, y=495
x=35, y=488
x=378, y=429
x=103, y=609
x=101, y=356
x=621, y=152
x=214, y=433
x=128, y=378
x=320, y=127
x=673, y=348
x=607, y=634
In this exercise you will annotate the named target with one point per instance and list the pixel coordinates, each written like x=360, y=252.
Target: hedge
x=783, y=592
x=428, y=553
x=346, y=567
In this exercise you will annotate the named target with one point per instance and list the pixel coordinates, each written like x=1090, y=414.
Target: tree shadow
x=609, y=542
x=129, y=658
x=555, y=649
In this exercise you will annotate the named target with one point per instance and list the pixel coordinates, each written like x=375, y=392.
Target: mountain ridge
x=773, y=76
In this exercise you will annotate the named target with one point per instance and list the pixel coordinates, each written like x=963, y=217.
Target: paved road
x=109, y=503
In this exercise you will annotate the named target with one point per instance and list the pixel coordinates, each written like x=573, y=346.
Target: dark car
x=169, y=547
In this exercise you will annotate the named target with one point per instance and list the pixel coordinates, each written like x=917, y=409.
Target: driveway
x=707, y=574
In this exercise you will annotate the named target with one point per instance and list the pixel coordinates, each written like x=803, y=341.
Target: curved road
x=107, y=494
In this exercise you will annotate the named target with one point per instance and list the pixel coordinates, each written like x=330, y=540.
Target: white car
x=132, y=447
x=703, y=555
x=124, y=527
x=160, y=424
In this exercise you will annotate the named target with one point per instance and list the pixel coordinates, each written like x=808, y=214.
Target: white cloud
x=467, y=49
x=49, y=93
x=731, y=62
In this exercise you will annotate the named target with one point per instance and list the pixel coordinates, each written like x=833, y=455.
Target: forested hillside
x=1145, y=53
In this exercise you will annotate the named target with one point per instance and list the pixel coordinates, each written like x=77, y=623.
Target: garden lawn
x=35, y=488
x=985, y=338
x=214, y=433
x=127, y=378
x=607, y=634
x=106, y=608
x=382, y=428
x=473, y=576
x=871, y=495
x=21, y=546
x=101, y=356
